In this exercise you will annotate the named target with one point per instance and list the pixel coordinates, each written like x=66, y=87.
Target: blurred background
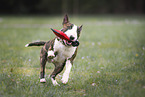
x=72, y=6
x=111, y=55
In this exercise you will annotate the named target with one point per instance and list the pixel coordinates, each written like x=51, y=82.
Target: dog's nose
x=71, y=38
x=76, y=43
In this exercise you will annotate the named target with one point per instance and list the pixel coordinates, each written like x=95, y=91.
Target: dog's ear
x=79, y=30
x=65, y=20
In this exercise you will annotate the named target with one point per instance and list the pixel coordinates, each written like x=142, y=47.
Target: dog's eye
x=71, y=37
x=70, y=27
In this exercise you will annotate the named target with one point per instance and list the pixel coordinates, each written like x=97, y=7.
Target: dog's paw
x=64, y=80
x=50, y=57
x=54, y=82
x=51, y=54
x=42, y=80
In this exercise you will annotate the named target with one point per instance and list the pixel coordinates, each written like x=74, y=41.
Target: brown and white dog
x=59, y=51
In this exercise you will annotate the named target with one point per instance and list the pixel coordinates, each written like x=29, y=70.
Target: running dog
x=60, y=52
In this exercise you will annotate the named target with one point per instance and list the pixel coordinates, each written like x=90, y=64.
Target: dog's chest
x=63, y=52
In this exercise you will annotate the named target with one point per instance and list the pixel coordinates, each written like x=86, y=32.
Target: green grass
x=110, y=60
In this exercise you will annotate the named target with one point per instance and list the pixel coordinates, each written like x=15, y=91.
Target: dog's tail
x=40, y=43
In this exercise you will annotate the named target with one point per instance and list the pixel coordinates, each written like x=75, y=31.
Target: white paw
x=51, y=54
x=54, y=82
x=42, y=80
x=64, y=80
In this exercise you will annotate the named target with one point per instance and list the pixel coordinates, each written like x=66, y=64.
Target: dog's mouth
x=72, y=43
x=66, y=40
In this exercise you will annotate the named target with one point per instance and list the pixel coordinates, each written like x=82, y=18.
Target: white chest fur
x=63, y=52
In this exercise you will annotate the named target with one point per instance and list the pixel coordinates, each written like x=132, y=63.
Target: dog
x=60, y=52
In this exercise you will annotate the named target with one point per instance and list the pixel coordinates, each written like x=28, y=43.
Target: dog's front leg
x=65, y=76
x=51, y=54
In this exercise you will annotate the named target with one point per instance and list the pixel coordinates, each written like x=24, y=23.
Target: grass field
x=110, y=60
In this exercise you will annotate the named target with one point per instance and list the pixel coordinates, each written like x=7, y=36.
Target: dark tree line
x=71, y=6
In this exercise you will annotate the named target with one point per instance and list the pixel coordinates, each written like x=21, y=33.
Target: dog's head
x=72, y=31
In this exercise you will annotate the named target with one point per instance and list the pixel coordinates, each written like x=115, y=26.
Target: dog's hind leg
x=57, y=70
x=43, y=57
x=42, y=72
